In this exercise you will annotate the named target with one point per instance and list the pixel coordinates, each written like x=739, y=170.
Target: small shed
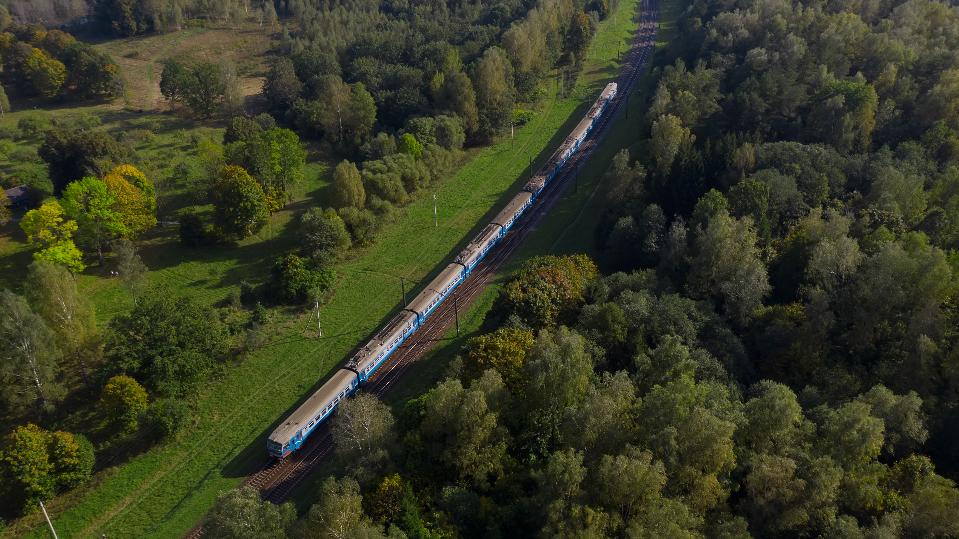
x=18, y=196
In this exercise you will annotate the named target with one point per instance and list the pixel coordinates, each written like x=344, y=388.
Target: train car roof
x=301, y=417
x=422, y=300
x=395, y=324
x=449, y=274
x=512, y=207
x=362, y=355
x=484, y=236
x=381, y=340
x=535, y=184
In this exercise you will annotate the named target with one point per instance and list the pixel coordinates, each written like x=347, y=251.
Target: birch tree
x=52, y=292
x=362, y=431
x=28, y=355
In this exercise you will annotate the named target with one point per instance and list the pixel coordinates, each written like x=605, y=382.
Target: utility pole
x=319, y=326
x=456, y=312
x=46, y=516
x=403, y=288
x=435, y=222
x=530, y=166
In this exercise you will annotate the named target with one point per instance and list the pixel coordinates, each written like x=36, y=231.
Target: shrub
x=82, y=120
x=385, y=184
x=248, y=293
x=449, y=132
x=33, y=126
x=410, y=146
x=166, y=417
x=347, y=188
x=423, y=128
x=122, y=401
x=379, y=146
x=323, y=234
x=261, y=315
x=72, y=457
x=193, y=231
x=255, y=338
x=522, y=117
x=292, y=281
x=140, y=135
x=360, y=223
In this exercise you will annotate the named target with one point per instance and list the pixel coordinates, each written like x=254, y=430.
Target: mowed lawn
x=165, y=491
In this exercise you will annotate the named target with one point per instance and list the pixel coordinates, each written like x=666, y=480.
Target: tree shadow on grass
x=13, y=265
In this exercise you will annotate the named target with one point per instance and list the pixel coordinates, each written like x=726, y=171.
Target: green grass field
x=166, y=490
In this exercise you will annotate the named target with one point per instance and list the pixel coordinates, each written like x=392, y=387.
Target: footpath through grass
x=165, y=491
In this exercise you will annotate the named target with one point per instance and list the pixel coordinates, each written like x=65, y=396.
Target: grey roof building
x=18, y=195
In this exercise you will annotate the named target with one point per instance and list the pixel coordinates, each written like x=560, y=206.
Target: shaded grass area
x=166, y=490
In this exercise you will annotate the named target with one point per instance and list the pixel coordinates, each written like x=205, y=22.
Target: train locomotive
x=295, y=429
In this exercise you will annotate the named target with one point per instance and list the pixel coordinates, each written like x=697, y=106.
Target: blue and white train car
x=476, y=250
x=289, y=436
x=516, y=206
x=535, y=185
x=433, y=295
x=384, y=343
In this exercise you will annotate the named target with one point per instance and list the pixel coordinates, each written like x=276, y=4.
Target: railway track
x=276, y=480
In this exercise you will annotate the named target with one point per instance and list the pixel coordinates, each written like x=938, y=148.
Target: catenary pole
x=456, y=312
x=46, y=516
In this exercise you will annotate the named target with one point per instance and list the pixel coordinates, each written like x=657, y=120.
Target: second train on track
x=297, y=427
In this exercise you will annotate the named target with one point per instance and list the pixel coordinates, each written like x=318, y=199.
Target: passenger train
x=296, y=428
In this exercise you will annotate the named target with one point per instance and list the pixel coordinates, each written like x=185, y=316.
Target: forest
x=84, y=391
x=765, y=343
x=762, y=343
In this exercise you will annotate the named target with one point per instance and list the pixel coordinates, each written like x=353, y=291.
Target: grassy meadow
x=166, y=490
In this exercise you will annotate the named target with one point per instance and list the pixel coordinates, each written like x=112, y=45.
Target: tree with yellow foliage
x=46, y=74
x=135, y=198
x=49, y=231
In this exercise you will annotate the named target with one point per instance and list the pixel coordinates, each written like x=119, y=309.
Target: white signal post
x=435, y=222
x=46, y=516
